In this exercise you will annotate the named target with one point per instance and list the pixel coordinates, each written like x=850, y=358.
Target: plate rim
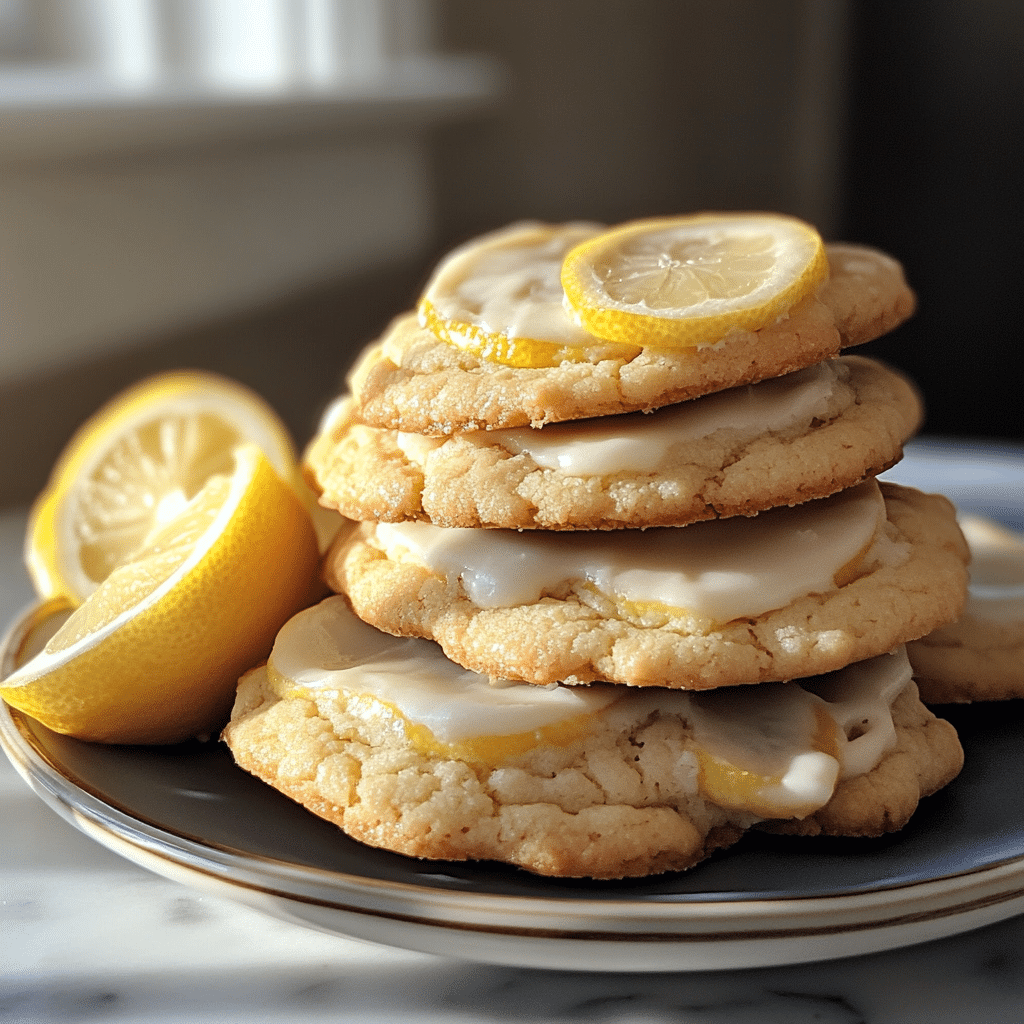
x=678, y=932
x=1000, y=882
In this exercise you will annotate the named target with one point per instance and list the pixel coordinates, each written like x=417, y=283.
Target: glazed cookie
x=411, y=381
x=981, y=655
x=598, y=781
x=779, y=442
x=787, y=593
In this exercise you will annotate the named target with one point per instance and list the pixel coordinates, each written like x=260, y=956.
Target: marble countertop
x=85, y=935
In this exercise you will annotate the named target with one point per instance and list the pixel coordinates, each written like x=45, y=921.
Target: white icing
x=509, y=283
x=859, y=699
x=810, y=779
x=856, y=259
x=328, y=647
x=768, y=729
x=640, y=442
x=335, y=412
x=416, y=447
x=724, y=569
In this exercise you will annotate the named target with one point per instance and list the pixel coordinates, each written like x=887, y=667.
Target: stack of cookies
x=615, y=580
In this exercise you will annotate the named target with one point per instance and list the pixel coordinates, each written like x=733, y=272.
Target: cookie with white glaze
x=890, y=575
x=980, y=656
x=779, y=442
x=628, y=794
x=411, y=381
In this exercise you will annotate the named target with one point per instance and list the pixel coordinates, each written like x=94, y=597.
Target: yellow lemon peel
x=153, y=655
x=680, y=282
x=133, y=464
x=500, y=298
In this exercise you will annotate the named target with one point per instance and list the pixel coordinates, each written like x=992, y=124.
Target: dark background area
x=894, y=124
x=934, y=175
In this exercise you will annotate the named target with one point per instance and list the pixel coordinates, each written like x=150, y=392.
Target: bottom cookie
x=606, y=783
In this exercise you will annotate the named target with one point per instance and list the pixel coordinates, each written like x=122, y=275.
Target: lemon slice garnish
x=679, y=282
x=133, y=465
x=153, y=655
x=500, y=298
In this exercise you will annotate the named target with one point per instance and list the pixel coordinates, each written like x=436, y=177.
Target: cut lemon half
x=500, y=297
x=133, y=465
x=678, y=282
x=155, y=653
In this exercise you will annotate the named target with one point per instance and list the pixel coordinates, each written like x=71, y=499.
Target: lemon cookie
x=789, y=592
x=413, y=380
x=779, y=442
x=981, y=655
x=408, y=752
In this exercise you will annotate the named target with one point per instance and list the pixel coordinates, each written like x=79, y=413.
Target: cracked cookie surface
x=621, y=802
x=579, y=636
x=480, y=479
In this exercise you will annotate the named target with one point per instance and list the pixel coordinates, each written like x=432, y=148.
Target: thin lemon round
x=132, y=465
x=155, y=653
x=680, y=282
x=500, y=298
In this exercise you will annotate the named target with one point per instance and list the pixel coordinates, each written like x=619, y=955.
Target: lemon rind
x=692, y=327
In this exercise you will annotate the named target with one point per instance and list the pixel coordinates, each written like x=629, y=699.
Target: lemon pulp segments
x=154, y=654
x=133, y=465
x=500, y=298
x=678, y=282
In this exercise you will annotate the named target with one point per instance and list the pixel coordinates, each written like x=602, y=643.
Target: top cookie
x=410, y=380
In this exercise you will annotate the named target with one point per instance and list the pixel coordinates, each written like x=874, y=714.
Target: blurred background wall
x=271, y=225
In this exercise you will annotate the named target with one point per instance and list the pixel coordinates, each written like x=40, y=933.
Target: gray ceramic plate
x=190, y=814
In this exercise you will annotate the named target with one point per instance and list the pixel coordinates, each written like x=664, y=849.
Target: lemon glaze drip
x=773, y=750
x=720, y=571
x=328, y=647
x=798, y=789
x=512, y=350
x=491, y=750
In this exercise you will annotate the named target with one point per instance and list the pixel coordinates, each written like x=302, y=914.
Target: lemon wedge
x=678, y=282
x=153, y=655
x=133, y=465
x=500, y=298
